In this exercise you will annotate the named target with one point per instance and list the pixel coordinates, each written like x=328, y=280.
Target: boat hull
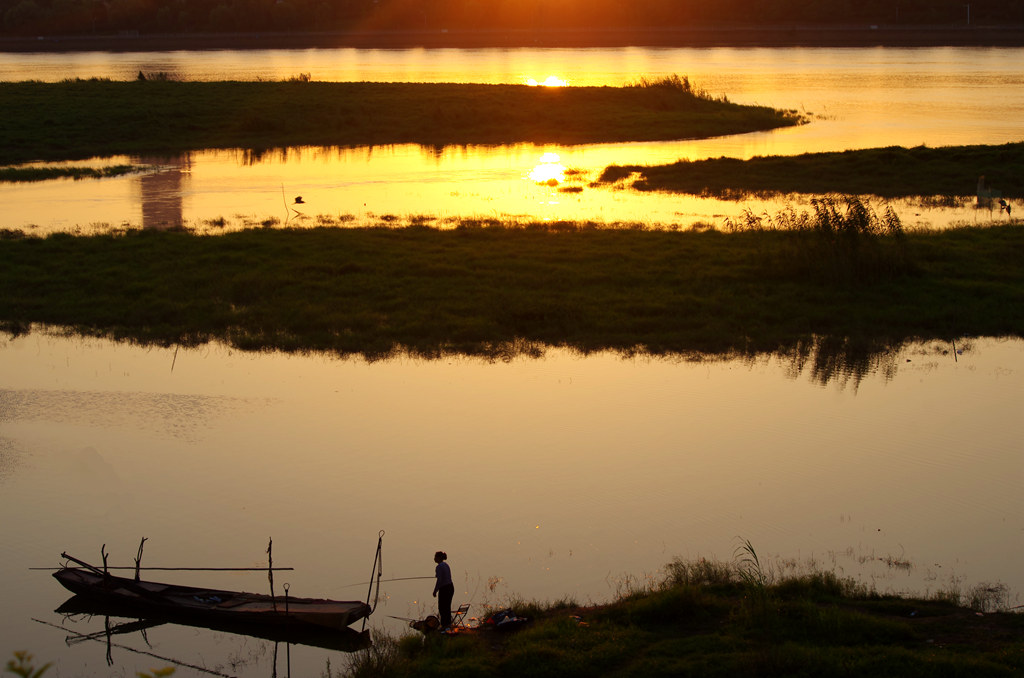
x=147, y=598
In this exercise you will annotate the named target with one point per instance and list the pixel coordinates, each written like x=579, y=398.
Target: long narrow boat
x=172, y=600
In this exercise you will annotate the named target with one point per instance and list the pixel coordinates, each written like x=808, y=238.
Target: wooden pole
x=138, y=559
x=197, y=569
x=270, y=571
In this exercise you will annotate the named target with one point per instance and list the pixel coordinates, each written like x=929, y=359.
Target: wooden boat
x=170, y=600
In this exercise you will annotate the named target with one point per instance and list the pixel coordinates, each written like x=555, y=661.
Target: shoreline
x=740, y=36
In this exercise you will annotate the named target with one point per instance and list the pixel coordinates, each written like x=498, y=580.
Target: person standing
x=444, y=589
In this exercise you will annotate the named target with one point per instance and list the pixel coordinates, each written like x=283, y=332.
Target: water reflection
x=162, y=190
x=859, y=98
x=549, y=170
x=839, y=360
x=218, y=190
x=573, y=473
x=84, y=610
x=86, y=621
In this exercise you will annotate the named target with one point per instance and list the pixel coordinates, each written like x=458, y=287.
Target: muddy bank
x=749, y=36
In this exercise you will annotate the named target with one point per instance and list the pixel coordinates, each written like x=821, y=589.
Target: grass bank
x=710, y=619
x=886, y=172
x=482, y=290
x=30, y=174
x=77, y=119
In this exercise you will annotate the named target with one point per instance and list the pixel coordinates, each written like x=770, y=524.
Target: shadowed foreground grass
x=710, y=619
x=486, y=290
x=77, y=119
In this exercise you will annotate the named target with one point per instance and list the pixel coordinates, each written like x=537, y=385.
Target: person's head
x=439, y=556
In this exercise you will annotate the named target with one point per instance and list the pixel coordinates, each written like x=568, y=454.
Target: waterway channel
x=543, y=478
x=854, y=98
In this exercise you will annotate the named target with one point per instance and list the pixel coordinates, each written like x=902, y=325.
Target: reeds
x=674, y=83
x=849, y=243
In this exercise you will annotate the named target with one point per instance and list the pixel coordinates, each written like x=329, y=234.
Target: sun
x=550, y=81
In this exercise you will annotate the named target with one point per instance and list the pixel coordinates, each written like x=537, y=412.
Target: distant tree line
x=69, y=17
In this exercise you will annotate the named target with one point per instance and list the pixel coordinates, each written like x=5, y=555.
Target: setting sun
x=550, y=81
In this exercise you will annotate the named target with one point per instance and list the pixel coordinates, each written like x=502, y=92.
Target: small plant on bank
x=22, y=666
x=749, y=568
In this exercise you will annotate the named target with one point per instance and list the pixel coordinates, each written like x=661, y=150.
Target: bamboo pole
x=138, y=558
x=270, y=571
x=186, y=569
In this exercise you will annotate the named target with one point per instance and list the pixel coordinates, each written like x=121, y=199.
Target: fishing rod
x=185, y=569
x=364, y=583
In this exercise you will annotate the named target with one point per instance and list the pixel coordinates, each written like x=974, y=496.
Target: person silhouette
x=444, y=589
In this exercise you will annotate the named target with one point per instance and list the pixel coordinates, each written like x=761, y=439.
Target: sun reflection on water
x=549, y=170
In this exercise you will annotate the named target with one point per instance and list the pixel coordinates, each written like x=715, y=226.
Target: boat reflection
x=86, y=612
x=343, y=640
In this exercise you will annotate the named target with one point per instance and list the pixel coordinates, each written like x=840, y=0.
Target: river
x=543, y=478
x=854, y=97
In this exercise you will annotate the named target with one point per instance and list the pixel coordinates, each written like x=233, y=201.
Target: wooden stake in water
x=138, y=559
x=270, y=571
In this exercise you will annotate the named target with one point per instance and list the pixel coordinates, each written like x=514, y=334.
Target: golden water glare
x=548, y=170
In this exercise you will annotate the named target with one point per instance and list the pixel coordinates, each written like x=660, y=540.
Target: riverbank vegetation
x=719, y=619
x=84, y=118
x=30, y=174
x=487, y=289
x=711, y=618
x=886, y=172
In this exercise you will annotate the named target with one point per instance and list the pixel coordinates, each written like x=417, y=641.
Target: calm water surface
x=541, y=478
x=856, y=98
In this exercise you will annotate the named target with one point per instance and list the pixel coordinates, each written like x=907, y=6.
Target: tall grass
x=851, y=242
x=674, y=83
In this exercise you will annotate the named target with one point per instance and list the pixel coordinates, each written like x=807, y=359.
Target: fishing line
x=364, y=583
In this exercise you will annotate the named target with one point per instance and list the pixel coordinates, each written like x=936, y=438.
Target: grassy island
x=886, y=172
x=83, y=118
x=480, y=289
x=711, y=619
